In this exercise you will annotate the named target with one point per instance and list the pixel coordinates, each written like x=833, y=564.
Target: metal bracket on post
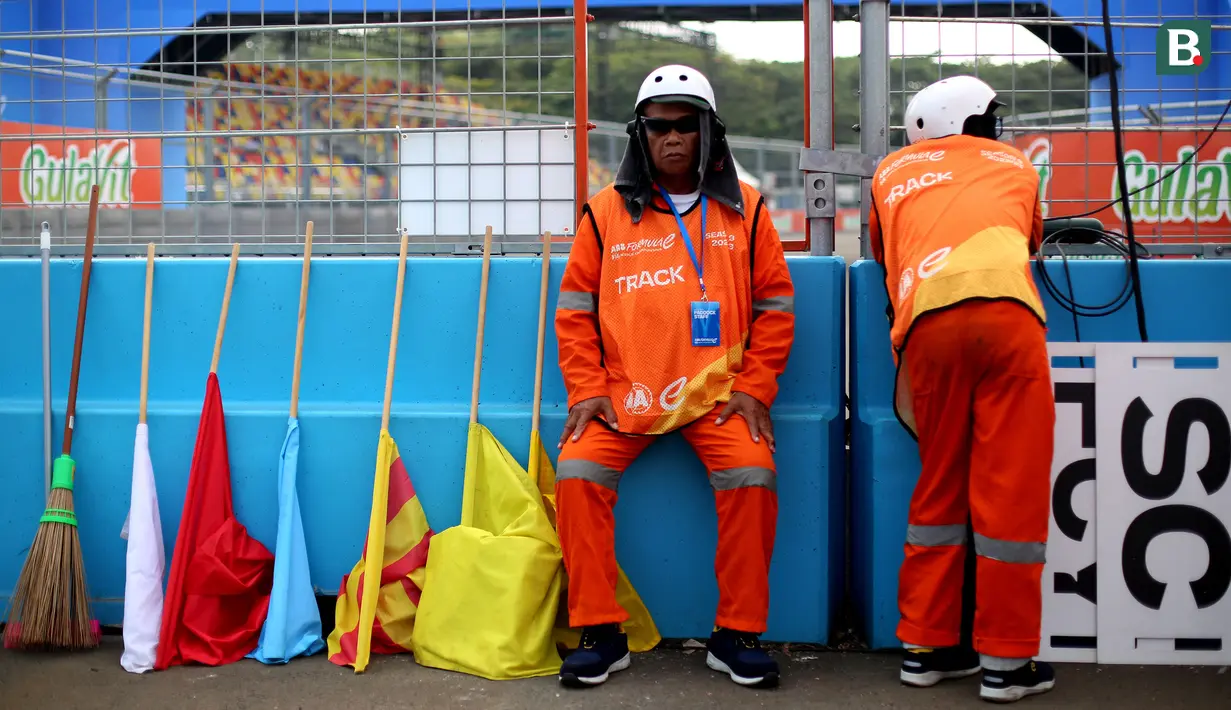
x=839, y=162
x=821, y=167
x=820, y=196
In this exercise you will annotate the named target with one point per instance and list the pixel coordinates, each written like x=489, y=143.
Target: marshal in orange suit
x=676, y=314
x=955, y=217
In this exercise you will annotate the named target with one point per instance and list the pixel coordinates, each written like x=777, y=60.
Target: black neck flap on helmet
x=634, y=179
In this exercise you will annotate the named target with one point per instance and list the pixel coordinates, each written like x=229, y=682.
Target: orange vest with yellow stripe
x=643, y=283
x=956, y=215
x=958, y=218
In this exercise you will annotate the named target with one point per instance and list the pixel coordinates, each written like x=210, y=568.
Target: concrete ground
x=674, y=678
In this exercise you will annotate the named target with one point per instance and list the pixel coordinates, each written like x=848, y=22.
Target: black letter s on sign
x=1175, y=447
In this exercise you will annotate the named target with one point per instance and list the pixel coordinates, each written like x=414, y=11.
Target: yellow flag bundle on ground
x=377, y=601
x=493, y=582
x=642, y=633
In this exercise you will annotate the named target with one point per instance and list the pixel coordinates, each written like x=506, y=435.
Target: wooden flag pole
x=538, y=358
x=478, y=340
x=145, y=332
x=393, y=339
x=226, y=304
x=303, y=314
x=70, y=411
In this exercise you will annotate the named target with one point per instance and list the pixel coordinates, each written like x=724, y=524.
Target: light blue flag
x=293, y=625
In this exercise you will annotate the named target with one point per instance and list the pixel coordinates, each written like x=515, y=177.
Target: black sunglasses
x=662, y=126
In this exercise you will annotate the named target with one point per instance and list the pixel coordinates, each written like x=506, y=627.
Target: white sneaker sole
x=716, y=664
x=930, y=678
x=622, y=664
x=1014, y=693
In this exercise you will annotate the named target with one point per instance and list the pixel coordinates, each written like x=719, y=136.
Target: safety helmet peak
x=676, y=83
x=940, y=109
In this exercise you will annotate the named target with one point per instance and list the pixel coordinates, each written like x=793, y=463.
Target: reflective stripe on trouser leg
x=747, y=522
x=930, y=585
x=585, y=520
x=587, y=478
x=1010, y=492
x=941, y=383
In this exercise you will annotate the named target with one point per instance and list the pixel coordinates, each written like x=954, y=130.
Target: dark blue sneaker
x=739, y=655
x=603, y=650
x=1008, y=686
x=925, y=667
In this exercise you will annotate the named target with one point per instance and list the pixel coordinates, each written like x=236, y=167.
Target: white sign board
x=1139, y=563
x=1070, y=621
x=1164, y=506
x=456, y=183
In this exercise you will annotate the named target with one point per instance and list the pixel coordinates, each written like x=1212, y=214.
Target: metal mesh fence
x=242, y=128
x=205, y=129
x=1050, y=66
x=1050, y=63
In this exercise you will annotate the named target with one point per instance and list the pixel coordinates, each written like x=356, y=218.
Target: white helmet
x=676, y=82
x=941, y=108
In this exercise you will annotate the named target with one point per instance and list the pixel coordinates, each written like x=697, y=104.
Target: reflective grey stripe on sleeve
x=577, y=301
x=785, y=304
x=935, y=535
x=743, y=477
x=588, y=471
x=1024, y=553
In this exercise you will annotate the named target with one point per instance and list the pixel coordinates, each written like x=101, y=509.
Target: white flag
x=145, y=563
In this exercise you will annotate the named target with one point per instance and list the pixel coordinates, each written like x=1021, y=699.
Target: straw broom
x=50, y=609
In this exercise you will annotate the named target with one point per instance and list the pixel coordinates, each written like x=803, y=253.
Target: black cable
x=1164, y=176
x=1121, y=170
x=1069, y=302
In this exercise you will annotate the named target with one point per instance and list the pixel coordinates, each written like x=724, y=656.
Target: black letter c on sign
x=1175, y=447
x=1072, y=476
x=1207, y=590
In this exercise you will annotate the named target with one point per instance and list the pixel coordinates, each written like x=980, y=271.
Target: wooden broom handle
x=393, y=338
x=145, y=332
x=226, y=303
x=478, y=340
x=303, y=313
x=70, y=411
x=538, y=357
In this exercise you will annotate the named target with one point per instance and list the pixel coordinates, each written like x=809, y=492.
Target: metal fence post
x=873, y=98
x=819, y=193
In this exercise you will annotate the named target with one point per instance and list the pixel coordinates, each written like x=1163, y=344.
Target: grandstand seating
x=259, y=97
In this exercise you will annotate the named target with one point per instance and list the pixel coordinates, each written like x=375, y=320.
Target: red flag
x=218, y=591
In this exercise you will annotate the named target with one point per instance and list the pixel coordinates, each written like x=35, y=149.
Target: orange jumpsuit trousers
x=744, y=480
x=985, y=414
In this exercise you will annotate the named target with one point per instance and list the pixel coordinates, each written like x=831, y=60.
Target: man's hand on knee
x=581, y=414
x=753, y=412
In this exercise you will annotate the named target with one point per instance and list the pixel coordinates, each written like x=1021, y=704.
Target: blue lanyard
x=699, y=265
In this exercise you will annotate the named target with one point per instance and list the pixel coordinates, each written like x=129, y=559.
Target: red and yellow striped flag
x=381, y=618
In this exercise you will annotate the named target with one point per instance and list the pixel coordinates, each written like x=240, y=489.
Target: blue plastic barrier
x=1183, y=301
x=667, y=526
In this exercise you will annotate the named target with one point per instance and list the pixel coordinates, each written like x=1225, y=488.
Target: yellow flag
x=377, y=600
x=642, y=633
x=493, y=583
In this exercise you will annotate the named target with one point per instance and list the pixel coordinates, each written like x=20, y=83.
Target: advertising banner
x=1172, y=193
x=52, y=169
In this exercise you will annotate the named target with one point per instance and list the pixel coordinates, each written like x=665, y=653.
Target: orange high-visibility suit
x=623, y=324
x=955, y=220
